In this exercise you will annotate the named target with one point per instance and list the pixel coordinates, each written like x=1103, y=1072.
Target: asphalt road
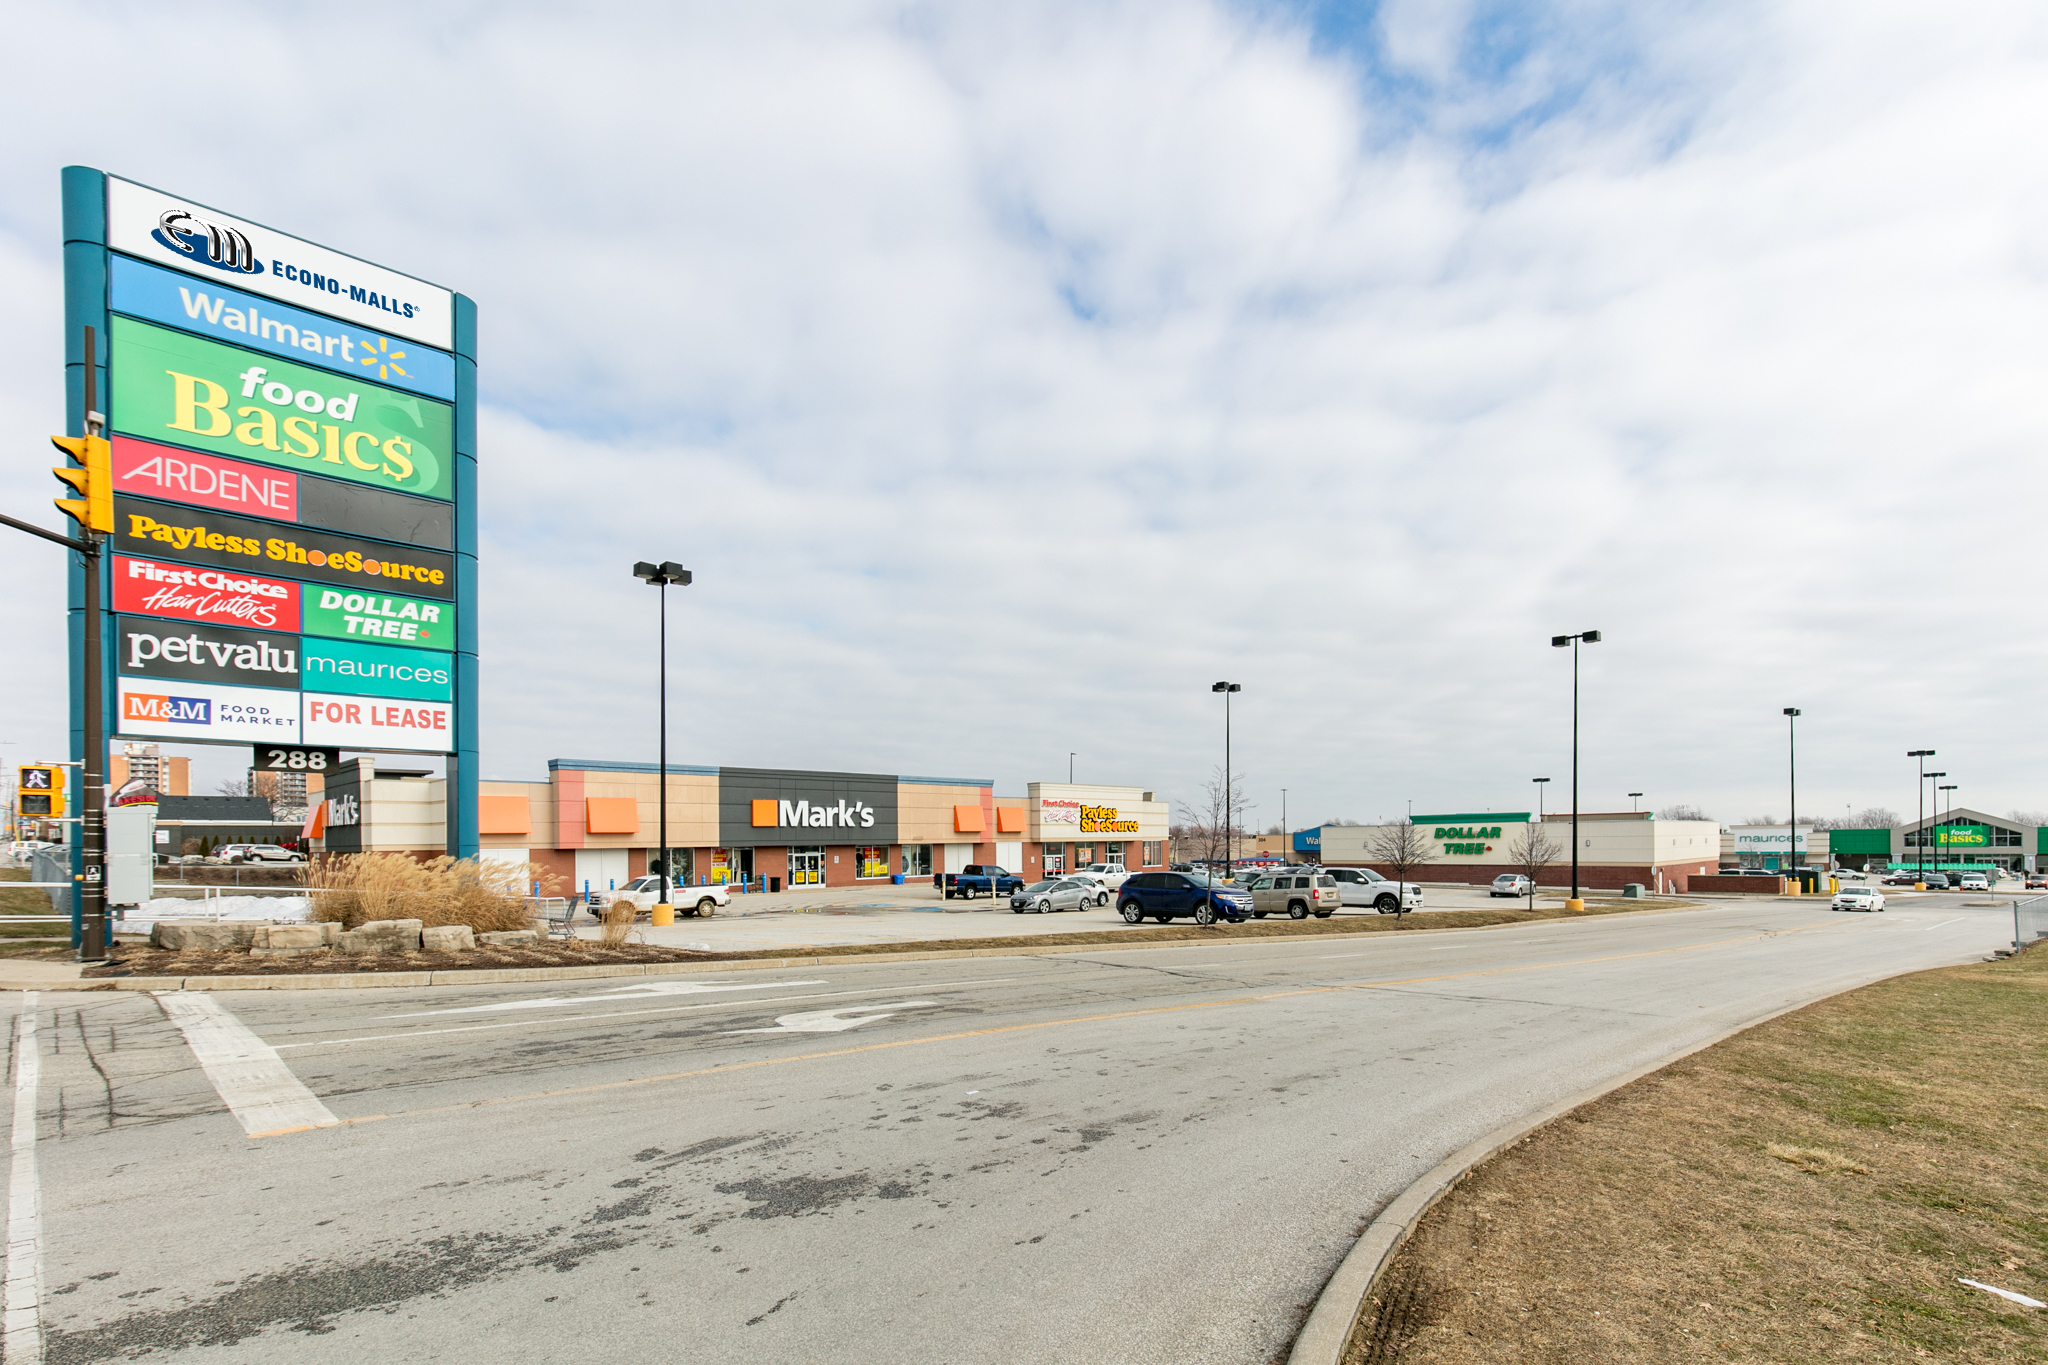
x=1150, y=1155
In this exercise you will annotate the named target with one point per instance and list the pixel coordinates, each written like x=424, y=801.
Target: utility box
x=131, y=853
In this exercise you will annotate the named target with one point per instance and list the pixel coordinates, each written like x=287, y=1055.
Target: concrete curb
x=341, y=981
x=1328, y=1329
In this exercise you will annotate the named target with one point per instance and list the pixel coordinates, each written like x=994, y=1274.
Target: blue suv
x=1169, y=895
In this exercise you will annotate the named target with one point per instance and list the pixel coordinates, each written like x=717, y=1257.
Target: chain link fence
x=2029, y=921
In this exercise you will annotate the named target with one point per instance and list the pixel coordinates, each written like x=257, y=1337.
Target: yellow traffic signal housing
x=93, y=509
x=42, y=789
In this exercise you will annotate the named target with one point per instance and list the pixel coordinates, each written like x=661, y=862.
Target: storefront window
x=1151, y=847
x=682, y=864
x=1113, y=852
x=917, y=860
x=1084, y=854
x=807, y=867
x=872, y=861
x=1055, y=859
x=721, y=866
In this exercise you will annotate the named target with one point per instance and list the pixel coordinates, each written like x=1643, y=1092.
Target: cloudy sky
x=1010, y=373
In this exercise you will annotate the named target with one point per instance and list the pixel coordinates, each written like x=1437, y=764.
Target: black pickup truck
x=975, y=880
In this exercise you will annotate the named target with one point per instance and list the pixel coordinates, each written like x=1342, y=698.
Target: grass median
x=27, y=900
x=1810, y=1190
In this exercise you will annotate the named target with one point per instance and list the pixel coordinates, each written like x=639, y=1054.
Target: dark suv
x=1169, y=895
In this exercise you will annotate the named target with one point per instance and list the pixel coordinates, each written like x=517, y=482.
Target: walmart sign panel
x=294, y=551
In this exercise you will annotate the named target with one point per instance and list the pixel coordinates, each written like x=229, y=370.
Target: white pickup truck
x=1364, y=888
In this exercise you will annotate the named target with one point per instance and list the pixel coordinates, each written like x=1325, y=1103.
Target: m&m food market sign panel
x=293, y=558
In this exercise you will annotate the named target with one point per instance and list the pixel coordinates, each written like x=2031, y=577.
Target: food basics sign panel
x=156, y=708
x=244, y=320
x=372, y=723
x=165, y=230
x=171, y=387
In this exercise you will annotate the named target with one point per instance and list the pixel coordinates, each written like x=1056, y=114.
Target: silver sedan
x=1068, y=893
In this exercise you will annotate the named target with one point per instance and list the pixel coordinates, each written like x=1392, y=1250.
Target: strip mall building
x=1615, y=848
x=595, y=823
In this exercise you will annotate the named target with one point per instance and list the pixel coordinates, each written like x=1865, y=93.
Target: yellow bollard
x=1575, y=906
x=664, y=916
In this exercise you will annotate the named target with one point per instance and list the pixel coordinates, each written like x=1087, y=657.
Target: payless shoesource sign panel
x=293, y=557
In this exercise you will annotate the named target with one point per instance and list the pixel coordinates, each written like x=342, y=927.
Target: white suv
x=258, y=853
x=1365, y=888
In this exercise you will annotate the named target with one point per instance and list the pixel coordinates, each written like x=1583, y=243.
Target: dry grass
x=618, y=924
x=356, y=888
x=1808, y=1191
x=24, y=900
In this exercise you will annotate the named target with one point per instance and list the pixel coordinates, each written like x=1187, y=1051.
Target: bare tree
x=2034, y=818
x=233, y=786
x=1221, y=815
x=1683, y=811
x=1534, y=852
x=1761, y=820
x=1403, y=848
x=255, y=784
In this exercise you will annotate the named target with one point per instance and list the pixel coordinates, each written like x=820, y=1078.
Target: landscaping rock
x=382, y=936
x=448, y=938
x=331, y=933
x=510, y=938
x=201, y=936
x=288, y=940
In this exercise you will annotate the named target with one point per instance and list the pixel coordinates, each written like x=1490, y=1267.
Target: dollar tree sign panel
x=295, y=538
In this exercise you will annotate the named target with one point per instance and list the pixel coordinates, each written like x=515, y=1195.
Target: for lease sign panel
x=374, y=723
x=185, y=235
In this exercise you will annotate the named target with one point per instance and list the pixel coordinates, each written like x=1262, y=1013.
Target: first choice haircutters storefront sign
x=293, y=454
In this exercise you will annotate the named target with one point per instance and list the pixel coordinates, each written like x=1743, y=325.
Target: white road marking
x=637, y=991
x=834, y=1021
x=1932, y=927
x=21, y=1337
x=252, y=1079
x=633, y=1014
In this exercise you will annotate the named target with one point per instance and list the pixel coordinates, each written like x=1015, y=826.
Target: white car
x=1059, y=893
x=1510, y=884
x=1867, y=898
x=1097, y=880
x=1850, y=874
x=643, y=892
x=1367, y=889
x=1973, y=881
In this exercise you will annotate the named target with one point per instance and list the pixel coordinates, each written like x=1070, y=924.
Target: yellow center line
x=726, y=1067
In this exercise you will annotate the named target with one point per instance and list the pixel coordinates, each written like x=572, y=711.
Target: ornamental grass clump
x=353, y=889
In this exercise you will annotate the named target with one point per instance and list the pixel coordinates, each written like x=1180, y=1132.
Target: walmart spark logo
x=385, y=360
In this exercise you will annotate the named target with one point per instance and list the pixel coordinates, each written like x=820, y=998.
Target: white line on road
x=637, y=1014
x=21, y=1338
x=639, y=990
x=835, y=1021
x=252, y=1079
x=1932, y=927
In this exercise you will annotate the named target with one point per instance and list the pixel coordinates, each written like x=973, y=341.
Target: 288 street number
x=295, y=759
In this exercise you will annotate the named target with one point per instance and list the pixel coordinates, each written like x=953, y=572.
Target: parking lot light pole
x=1933, y=831
x=1920, y=801
x=1940, y=824
x=1539, y=781
x=1227, y=689
x=661, y=575
x=1633, y=797
x=1591, y=637
x=1792, y=770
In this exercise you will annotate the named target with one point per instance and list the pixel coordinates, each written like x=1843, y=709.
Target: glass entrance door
x=807, y=867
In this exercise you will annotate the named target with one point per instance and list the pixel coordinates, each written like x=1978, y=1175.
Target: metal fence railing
x=2029, y=921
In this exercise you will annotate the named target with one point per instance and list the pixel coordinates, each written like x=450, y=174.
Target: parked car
x=1867, y=898
x=1936, y=881
x=258, y=853
x=1850, y=874
x=1064, y=893
x=1973, y=881
x=979, y=879
x=1164, y=896
x=1900, y=876
x=1510, y=884
x=1100, y=894
x=688, y=900
x=1367, y=889
x=1296, y=895
x=1111, y=874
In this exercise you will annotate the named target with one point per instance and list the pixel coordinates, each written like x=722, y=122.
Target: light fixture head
x=1539, y=779
x=1591, y=637
x=1560, y=641
x=1919, y=753
x=658, y=575
x=1791, y=710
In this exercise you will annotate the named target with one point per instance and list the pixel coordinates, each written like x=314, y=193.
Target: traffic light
x=93, y=509
x=42, y=789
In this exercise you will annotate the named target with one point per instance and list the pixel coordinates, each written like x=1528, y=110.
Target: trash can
x=896, y=879
x=775, y=883
x=1633, y=891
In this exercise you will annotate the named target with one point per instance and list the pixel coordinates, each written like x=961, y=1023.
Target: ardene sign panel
x=149, y=470
x=765, y=807
x=184, y=235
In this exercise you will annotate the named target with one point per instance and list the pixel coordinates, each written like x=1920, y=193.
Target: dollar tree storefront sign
x=178, y=389
x=1468, y=836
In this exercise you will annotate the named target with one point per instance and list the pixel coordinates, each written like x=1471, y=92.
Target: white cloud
x=1008, y=375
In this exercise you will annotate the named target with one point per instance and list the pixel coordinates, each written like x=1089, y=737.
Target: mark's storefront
x=596, y=824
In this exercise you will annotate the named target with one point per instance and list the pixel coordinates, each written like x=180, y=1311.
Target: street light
x=1591, y=637
x=1070, y=767
x=1226, y=688
x=1920, y=801
x=1792, y=770
x=661, y=575
x=1633, y=797
x=1941, y=825
x=1935, y=802
x=1539, y=781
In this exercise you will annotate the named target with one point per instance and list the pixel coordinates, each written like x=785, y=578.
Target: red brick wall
x=839, y=865
x=772, y=862
x=561, y=864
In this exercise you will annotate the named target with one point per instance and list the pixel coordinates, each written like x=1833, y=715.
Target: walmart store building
x=596, y=823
